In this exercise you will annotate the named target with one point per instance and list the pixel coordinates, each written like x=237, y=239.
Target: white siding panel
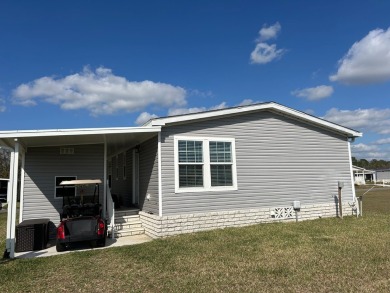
x=278, y=160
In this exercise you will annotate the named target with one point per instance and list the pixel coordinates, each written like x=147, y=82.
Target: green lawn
x=324, y=255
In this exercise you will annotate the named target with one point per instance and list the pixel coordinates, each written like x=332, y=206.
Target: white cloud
x=314, y=93
x=181, y=111
x=369, y=152
x=198, y=93
x=100, y=92
x=383, y=141
x=247, y=102
x=271, y=32
x=361, y=147
x=367, y=61
x=372, y=120
x=2, y=105
x=264, y=52
x=144, y=117
x=309, y=111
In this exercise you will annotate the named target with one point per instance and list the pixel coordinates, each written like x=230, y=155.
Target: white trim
x=206, y=165
x=243, y=109
x=77, y=131
x=22, y=175
x=133, y=183
x=11, y=217
x=9, y=240
x=159, y=175
x=105, y=187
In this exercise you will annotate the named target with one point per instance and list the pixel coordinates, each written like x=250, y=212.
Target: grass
x=325, y=255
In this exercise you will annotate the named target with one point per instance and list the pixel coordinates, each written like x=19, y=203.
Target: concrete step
x=130, y=232
x=124, y=213
x=127, y=219
x=127, y=226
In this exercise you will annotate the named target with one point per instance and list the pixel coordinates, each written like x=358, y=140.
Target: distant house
x=187, y=173
x=383, y=175
x=362, y=175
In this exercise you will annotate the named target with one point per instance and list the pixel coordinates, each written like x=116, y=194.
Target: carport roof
x=116, y=138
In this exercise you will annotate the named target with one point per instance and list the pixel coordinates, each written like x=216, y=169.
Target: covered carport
x=114, y=140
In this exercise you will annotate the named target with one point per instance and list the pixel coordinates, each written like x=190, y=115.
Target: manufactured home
x=179, y=174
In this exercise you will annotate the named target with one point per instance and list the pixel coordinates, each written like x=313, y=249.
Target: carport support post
x=11, y=199
x=105, y=179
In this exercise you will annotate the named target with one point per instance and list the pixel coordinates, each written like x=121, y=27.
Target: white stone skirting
x=156, y=226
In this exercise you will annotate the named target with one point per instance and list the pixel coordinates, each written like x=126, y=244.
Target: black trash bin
x=32, y=235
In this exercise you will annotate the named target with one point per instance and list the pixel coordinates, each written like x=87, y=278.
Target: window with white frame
x=190, y=163
x=66, y=190
x=221, y=163
x=204, y=164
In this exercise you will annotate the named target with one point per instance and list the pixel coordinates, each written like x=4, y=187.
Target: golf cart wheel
x=60, y=247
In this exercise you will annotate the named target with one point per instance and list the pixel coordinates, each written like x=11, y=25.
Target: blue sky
x=79, y=64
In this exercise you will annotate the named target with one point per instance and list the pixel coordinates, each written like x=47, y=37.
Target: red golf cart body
x=81, y=216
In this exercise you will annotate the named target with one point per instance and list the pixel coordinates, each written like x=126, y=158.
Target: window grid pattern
x=221, y=163
x=190, y=163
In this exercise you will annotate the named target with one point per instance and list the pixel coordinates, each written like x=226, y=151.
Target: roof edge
x=164, y=121
x=76, y=131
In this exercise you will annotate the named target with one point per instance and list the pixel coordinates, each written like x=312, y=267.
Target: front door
x=135, y=197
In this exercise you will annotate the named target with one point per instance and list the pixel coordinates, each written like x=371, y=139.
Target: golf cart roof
x=81, y=182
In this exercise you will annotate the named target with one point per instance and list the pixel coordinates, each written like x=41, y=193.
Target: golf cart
x=81, y=216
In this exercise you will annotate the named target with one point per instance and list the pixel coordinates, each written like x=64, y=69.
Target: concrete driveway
x=122, y=241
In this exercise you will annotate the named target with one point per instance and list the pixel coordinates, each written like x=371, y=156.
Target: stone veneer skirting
x=156, y=226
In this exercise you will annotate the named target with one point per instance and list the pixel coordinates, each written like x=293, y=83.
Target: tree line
x=4, y=162
x=373, y=164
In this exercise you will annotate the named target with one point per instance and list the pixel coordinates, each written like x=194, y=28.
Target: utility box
x=340, y=184
x=32, y=235
x=296, y=205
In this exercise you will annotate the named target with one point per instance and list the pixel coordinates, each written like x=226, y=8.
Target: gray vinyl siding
x=148, y=176
x=278, y=160
x=120, y=186
x=383, y=175
x=42, y=164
